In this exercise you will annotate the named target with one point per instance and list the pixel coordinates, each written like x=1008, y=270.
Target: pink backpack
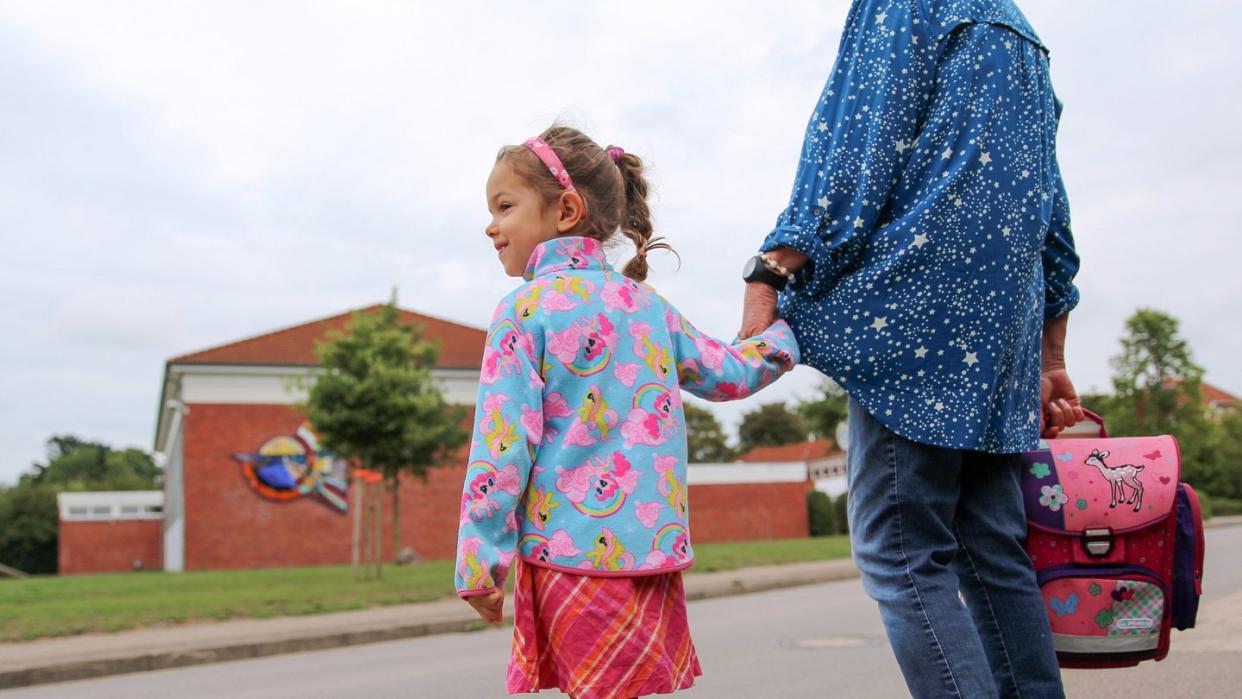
x=1117, y=543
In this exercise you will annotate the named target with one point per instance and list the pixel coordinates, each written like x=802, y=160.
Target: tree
x=1156, y=390
x=77, y=464
x=376, y=400
x=705, y=437
x=823, y=413
x=770, y=424
x=821, y=513
x=1221, y=475
x=1156, y=384
x=29, y=528
x=29, y=522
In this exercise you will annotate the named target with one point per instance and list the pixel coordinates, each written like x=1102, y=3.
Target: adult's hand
x=1059, y=400
x=758, y=309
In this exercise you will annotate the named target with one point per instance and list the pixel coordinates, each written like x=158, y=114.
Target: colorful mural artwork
x=291, y=466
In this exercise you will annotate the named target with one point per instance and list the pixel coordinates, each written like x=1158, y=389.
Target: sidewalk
x=97, y=655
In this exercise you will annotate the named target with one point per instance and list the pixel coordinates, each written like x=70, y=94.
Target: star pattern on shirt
x=922, y=200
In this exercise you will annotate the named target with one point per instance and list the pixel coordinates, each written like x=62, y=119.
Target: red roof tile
x=1212, y=396
x=799, y=451
x=461, y=346
x=1215, y=396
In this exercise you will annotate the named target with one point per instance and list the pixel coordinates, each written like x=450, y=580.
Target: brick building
x=245, y=485
x=824, y=462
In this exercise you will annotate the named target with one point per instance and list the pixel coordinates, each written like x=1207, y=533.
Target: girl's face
x=520, y=221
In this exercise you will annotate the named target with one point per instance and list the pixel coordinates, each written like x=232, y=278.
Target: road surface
x=814, y=641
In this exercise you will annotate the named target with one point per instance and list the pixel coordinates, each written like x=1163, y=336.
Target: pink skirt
x=600, y=637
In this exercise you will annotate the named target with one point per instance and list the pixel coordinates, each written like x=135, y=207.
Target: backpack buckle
x=1097, y=542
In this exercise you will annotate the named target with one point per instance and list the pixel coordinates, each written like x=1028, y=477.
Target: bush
x=841, y=512
x=1226, y=506
x=821, y=513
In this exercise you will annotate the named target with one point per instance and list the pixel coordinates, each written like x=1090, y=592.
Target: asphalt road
x=814, y=641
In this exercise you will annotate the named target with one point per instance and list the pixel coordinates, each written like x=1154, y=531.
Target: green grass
x=741, y=554
x=60, y=606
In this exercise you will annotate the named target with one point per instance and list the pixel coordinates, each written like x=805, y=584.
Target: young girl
x=578, y=465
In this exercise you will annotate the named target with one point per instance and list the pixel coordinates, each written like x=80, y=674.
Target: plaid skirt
x=600, y=637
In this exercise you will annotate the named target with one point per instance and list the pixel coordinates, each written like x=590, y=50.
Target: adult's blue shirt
x=929, y=201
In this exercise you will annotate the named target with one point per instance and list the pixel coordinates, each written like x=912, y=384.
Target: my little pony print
x=599, y=487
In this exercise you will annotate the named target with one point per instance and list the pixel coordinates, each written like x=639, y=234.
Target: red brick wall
x=110, y=547
x=228, y=525
x=748, y=511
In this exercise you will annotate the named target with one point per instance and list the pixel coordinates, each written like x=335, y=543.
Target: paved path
x=812, y=641
x=98, y=655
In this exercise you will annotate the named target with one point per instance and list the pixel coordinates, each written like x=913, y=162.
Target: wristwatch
x=756, y=271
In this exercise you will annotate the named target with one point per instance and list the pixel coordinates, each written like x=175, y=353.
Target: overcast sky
x=178, y=175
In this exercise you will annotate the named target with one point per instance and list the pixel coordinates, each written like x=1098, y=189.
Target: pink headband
x=548, y=156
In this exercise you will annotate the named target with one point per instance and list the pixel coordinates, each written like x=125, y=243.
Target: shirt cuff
x=475, y=593
x=814, y=277
x=1055, y=308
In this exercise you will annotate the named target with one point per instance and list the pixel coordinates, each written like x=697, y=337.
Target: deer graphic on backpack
x=1118, y=477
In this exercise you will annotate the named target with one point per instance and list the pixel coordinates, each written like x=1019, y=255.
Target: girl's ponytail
x=610, y=182
x=636, y=219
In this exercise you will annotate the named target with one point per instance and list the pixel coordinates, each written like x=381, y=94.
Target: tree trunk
x=395, y=484
x=355, y=488
x=377, y=532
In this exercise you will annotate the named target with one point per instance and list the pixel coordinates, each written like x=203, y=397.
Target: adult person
x=929, y=266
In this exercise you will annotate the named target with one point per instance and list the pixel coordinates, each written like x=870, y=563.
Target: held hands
x=1059, y=401
x=759, y=305
x=758, y=309
x=490, y=606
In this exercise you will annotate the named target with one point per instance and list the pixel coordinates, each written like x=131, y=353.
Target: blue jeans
x=926, y=522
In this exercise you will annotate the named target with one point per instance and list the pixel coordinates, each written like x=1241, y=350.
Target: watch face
x=749, y=269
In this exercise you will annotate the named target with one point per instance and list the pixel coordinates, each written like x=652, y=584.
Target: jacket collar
x=569, y=252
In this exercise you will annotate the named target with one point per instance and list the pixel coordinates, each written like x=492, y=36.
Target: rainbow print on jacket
x=579, y=453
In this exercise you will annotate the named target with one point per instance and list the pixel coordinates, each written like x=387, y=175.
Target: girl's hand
x=489, y=606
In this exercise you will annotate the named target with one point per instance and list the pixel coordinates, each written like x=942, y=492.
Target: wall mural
x=291, y=466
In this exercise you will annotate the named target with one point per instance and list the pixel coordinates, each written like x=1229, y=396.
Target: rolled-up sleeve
x=857, y=141
x=1060, y=259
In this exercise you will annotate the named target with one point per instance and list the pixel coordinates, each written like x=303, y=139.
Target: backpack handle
x=1081, y=427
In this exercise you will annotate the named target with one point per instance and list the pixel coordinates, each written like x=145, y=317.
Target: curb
x=1223, y=521
x=145, y=662
x=699, y=586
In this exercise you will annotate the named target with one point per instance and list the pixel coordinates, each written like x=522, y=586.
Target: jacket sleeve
x=508, y=425
x=1060, y=259
x=856, y=147
x=716, y=371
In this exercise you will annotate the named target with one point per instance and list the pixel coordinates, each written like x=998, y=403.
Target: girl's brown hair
x=615, y=192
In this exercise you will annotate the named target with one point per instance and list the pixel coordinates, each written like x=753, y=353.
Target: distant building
x=247, y=486
x=823, y=462
x=1218, y=399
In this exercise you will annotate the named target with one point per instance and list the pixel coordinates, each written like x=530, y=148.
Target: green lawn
x=61, y=606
